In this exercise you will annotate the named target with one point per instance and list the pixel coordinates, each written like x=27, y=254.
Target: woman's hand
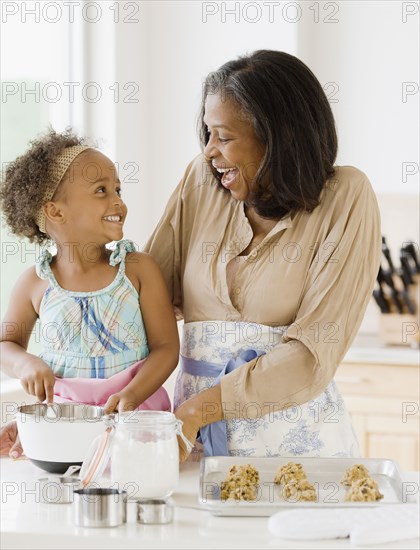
x=186, y=412
x=202, y=409
x=9, y=440
x=38, y=379
x=122, y=401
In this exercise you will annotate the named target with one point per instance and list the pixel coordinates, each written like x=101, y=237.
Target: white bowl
x=56, y=436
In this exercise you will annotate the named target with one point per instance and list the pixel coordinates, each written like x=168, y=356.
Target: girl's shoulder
x=30, y=286
x=140, y=262
x=141, y=267
x=30, y=276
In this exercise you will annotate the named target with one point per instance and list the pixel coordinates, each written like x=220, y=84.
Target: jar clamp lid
x=97, y=458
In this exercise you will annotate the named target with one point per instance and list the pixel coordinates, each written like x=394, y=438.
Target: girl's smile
x=114, y=219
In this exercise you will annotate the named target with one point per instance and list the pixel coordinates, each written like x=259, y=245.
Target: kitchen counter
x=371, y=349
x=26, y=523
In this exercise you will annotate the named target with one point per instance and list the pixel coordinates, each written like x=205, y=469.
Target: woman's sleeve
x=166, y=242
x=334, y=299
x=165, y=247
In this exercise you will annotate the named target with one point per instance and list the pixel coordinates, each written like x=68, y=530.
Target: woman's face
x=233, y=147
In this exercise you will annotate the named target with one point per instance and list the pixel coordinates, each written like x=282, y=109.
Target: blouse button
x=237, y=291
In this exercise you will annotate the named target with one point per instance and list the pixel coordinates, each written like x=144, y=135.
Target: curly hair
x=291, y=116
x=25, y=182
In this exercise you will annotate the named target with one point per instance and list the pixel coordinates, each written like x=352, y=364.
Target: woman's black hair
x=292, y=118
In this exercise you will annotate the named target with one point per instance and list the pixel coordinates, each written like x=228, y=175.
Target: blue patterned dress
x=91, y=334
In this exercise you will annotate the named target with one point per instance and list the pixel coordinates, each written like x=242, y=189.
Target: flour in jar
x=146, y=469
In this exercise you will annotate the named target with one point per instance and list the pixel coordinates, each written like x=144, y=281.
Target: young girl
x=108, y=328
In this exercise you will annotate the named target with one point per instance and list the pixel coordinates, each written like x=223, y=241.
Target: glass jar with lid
x=141, y=449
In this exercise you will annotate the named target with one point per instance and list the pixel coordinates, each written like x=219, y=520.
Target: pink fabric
x=96, y=391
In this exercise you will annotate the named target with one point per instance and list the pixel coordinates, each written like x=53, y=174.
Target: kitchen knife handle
x=387, y=254
x=381, y=301
x=396, y=300
x=410, y=249
x=408, y=302
x=405, y=266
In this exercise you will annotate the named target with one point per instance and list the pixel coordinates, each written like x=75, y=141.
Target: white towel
x=363, y=525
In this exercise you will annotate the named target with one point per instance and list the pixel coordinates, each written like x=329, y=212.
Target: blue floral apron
x=320, y=427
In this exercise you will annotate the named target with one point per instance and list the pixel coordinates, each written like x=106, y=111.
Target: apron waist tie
x=213, y=436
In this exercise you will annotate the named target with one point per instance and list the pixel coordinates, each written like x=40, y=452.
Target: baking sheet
x=324, y=473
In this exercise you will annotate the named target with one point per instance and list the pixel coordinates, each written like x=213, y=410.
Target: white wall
x=371, y=58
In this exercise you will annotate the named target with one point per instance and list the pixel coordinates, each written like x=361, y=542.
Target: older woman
x=270, y=253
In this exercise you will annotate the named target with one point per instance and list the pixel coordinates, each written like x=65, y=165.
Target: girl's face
x=233, y=147
x=90, y=199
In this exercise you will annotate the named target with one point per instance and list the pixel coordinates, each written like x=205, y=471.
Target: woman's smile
x=233, y=147
x=229, y=175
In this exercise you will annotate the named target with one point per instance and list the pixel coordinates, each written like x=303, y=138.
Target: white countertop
x=383, y=355
x=370, y=349
x=26, y=523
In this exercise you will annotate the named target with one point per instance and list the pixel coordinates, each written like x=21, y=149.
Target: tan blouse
x=314, y=272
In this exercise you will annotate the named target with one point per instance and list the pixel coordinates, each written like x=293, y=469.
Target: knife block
x=402, y=329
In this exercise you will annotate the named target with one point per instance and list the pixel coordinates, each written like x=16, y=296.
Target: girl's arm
x=35, y=376
x=162, y=335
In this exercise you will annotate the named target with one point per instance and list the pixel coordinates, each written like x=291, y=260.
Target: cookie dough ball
x=300, y=490
x=241, y=483
x=246, y=472
x=358, y=471
x=290, y=472
x=238, y=491
x=363, y=490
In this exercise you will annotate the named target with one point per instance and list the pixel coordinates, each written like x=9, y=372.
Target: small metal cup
x=58, y=490
x=154, y=511
x=97, y=507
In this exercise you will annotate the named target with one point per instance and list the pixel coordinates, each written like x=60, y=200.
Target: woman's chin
x=238, y=194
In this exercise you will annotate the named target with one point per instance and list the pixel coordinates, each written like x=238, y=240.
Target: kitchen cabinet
x=381, y=391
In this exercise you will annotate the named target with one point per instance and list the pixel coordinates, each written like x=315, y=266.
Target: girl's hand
x=38, y=379
x=122, y=401
x=9, y=440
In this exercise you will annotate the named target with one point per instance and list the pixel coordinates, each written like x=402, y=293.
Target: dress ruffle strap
x=122, y=248
x=43, y=265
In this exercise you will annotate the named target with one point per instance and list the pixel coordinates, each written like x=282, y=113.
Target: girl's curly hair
x=25, y=182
